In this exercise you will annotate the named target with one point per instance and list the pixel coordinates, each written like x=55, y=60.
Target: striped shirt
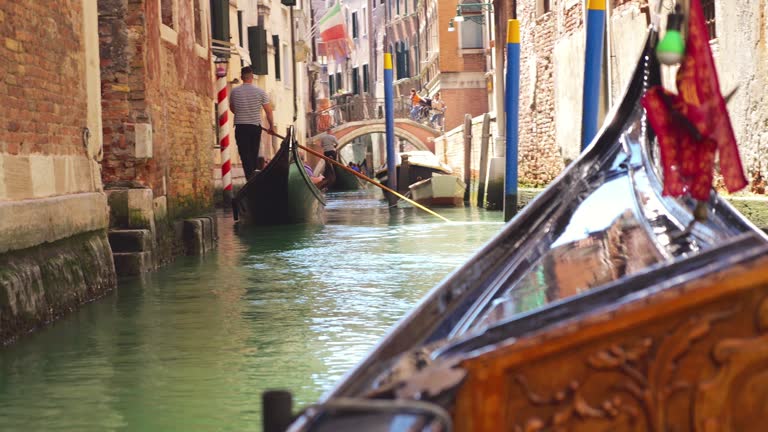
x=246, y=102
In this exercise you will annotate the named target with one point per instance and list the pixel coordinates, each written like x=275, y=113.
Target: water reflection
x=193, y=346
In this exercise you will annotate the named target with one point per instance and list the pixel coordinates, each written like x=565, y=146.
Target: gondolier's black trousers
x=248, y=142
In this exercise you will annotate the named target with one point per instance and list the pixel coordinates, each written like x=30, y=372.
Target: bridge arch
x=422, y=137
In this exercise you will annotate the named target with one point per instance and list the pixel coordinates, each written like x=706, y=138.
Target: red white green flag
x=331, y=26
x=693, y=125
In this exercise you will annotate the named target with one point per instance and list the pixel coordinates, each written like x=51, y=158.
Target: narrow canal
x=191, y=347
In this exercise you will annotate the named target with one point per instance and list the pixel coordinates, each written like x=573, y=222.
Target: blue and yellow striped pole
x=389, y=118
x=512, y=107
x=593, y=63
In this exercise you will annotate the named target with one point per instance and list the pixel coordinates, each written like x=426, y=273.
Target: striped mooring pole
x=593, y=64
x=223, y=114
x=512, y=106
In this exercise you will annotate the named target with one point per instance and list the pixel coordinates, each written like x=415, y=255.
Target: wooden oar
x=322, y=156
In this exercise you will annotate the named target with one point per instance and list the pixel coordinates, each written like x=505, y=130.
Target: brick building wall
x=122, y=40
x=158, y=102
x=44, y=100
x=461, y=101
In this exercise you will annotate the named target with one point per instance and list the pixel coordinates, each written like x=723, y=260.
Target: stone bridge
x=421, y=136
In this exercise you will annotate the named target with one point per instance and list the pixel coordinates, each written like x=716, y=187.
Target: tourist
x=438, y=110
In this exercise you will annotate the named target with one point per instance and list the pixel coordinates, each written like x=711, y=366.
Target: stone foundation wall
x=41, y=283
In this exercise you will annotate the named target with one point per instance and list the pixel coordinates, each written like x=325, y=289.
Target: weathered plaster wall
x=742, y=60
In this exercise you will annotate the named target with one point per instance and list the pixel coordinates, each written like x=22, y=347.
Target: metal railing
x=351, y=108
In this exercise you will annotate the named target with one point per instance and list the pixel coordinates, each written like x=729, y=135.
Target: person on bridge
x=246, y=102
x=416, y=102
x=329, y=143
x=438, y=110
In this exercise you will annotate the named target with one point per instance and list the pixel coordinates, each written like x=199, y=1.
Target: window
x=220, y=20
x=364, y=21
x=356, y=80
x=276, y=46
x=169, y=20
x=257, y=48
x=198, y=23
x=240, y=27
x=338, y=81
x=543, y=6
x=354, y=25
x=331, y=86
x=471, y=34
x=366, y=80
x=166, y=13
x=709, y=17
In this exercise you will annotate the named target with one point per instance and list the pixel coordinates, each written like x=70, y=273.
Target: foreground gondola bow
x=602, y=306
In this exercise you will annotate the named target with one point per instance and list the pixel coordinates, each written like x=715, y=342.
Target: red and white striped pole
x=223, y=115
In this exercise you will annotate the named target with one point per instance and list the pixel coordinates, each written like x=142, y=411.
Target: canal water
x=192, y=346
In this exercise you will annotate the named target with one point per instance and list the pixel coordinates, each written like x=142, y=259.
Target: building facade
x=552, y=73
x=265, y=26
x=54, y=253
x=433, y=53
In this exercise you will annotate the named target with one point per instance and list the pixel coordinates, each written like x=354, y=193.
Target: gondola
x=283, y=192
x=419, y=165
x=601, y=306
x=345, y=181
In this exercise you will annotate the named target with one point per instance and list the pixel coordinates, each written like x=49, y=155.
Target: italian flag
x=331, y=26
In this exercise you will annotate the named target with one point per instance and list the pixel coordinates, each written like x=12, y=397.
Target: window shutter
x=366, y=82
x=220, y=20
x=355, y=81
x=257, y=46
x=276, y=45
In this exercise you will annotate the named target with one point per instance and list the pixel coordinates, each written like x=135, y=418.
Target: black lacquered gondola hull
x=282, y=193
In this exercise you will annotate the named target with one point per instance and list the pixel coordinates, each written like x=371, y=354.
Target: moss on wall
x=40, y=284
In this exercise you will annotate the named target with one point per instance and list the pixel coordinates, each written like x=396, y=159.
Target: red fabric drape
x=693, y=125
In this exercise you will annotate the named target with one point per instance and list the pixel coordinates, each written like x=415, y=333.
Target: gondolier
x=246, y=102
x=329, y=143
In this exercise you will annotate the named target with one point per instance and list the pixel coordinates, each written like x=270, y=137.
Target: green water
x=191, y=347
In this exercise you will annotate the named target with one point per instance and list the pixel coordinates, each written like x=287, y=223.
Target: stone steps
x=132, y=251
x=130, y=240
x=133, y=263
